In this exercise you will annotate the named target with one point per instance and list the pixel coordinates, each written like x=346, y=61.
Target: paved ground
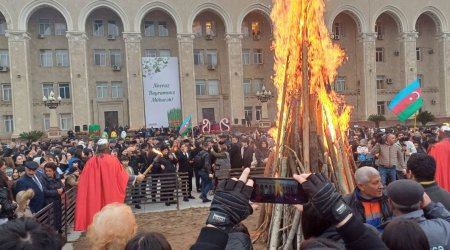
x=149, y=208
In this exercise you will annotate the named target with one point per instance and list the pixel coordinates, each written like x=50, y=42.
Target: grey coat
x=435, y=222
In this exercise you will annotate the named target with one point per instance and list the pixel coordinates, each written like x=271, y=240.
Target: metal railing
x=47, y=215
x=159, y=188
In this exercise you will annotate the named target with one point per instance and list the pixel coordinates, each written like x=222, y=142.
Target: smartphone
x=277, y=190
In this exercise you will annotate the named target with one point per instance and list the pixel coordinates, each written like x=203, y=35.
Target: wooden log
x=299, y=234
x=297, y=160
x=293, y=231
x=286, y=224
x=281, y=116
x=335, y=168
x=313, y=145
x=297, y=125
x=277, y=214
x=343, y=183
x=346, y=166
x=306, y=110
x=321, y=152
x=291, y=163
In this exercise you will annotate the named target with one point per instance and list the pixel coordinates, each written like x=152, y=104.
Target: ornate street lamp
x=264, y=95
x=51, y=102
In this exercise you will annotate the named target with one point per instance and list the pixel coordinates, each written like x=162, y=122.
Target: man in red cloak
x=103, y=181
x=441, y=153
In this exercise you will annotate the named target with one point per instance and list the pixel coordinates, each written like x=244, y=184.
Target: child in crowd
x=124, y=160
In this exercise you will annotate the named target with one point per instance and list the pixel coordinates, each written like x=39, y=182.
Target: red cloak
x=103, y=181
x=441, y=153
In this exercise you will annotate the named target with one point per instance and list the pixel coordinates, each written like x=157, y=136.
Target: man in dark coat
x=166, y=164
x=247, y=154
x=30, y=180
x=235, y=153
x=422, y=169
x=194, y=152
x=185, y=166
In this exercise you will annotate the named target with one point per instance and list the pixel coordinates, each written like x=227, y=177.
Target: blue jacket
x=71, y=161
x=24, y=183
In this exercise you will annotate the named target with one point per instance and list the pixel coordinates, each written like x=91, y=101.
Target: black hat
x=7, y=152
x=21, y=169
x=405, y=192
x=164, y=147
x=31, y=165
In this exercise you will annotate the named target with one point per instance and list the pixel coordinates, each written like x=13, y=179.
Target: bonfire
x=312, y=121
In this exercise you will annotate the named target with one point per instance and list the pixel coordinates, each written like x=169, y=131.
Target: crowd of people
x=402, y=182
x=390, y=149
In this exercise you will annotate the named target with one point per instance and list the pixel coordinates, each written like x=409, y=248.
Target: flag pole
x=415, y=122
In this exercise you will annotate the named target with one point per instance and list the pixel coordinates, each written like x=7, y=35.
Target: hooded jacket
x=434, y=220
x=71, y=161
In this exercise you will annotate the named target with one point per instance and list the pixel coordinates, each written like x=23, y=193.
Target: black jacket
x=247, y=158
x=358, y=209
x=184, y=166
x=25, y=182
x=260, y=155
x=134, y=164
x=354, y=233
x=7, y=209
x=357, y=236
x=235, y=156
x=206, y=157
x=50, y=186
x=211, y=238
x=169, y=165
x=437, y=194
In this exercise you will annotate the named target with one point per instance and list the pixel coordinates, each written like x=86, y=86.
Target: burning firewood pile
x=312, y=119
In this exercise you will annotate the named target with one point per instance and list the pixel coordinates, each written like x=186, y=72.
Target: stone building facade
x=89, y=53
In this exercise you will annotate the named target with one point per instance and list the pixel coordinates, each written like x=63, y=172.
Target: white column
x=409, y=59
x=54, y=132
x=53, y=119
x=134, y=79
x=264, y=111
x=79, y=83
x=187, y=76
x=235, y=71
x=368, y=84
x=19, y=53
x=444, y=74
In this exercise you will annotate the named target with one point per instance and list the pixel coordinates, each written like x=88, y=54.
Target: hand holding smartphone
x=278, y=190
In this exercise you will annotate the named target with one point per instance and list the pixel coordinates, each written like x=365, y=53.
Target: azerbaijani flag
x=185, y=126
x=407, y=101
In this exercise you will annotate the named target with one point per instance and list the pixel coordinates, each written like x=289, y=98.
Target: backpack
x=199, y=161
x=362, y=157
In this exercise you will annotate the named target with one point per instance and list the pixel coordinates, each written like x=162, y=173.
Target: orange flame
x=298, y=23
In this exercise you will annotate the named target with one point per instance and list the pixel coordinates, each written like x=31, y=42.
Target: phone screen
x=278, y=190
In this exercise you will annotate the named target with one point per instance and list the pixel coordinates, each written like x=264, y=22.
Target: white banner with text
x=161, y=92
